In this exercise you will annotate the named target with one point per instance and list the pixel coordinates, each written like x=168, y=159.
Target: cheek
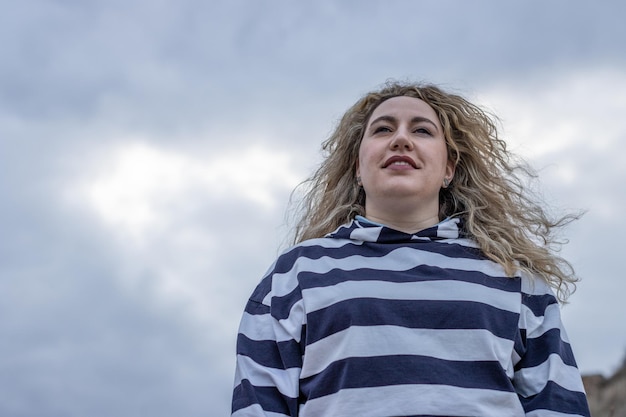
x=442, y=155
x=362, y=159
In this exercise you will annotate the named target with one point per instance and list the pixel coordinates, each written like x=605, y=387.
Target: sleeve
x=270, y=345
x=546, y=376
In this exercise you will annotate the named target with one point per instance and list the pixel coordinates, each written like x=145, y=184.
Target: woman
x=421, y=281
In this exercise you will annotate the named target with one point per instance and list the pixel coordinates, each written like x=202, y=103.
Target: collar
x=362, y=229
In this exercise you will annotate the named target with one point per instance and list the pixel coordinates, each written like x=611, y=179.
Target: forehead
x=404, y=107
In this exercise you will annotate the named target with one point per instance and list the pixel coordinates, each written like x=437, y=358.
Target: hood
x=361, y=229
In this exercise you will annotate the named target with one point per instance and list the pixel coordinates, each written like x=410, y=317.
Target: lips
x=400, y=160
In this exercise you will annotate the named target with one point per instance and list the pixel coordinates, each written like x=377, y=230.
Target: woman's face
x=403, y=157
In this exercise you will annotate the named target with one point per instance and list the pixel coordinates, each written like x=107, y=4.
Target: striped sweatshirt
x=371, y=321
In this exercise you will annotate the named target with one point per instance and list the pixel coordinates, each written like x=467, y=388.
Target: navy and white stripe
x=370, y=321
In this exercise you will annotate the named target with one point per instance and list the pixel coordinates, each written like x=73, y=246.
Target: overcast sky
x=148, y=150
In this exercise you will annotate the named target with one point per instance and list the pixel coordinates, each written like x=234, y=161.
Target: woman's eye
x=381, y=129
x=423, y=131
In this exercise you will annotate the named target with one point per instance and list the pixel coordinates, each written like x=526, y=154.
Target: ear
x=450, y=170
x=358, y=169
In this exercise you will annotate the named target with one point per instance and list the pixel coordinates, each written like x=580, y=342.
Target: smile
x=401, y=161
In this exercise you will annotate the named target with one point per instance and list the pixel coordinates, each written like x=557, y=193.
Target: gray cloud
x=161, y=66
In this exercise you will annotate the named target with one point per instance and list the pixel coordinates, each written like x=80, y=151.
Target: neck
x=409, y=214
x=404, y=224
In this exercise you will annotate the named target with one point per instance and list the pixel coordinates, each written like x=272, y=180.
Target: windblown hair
x=489, y=189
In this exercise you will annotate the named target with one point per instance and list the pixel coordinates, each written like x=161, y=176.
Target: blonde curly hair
x=489, y=190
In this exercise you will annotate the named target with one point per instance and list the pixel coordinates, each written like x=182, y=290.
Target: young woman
x=422, y=282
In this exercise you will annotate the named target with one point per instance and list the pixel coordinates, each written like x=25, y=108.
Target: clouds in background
x=148, y=151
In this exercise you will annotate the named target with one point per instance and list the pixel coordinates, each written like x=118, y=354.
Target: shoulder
x=314, y=249
x=540, y=308
x=281, y=278
x=537, y=294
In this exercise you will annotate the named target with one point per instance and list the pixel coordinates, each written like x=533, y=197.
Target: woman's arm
x=546, y=377
x=269, y=355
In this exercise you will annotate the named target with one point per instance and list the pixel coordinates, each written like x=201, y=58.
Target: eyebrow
x=416, y=119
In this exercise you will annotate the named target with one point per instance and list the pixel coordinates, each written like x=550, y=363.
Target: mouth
x=400, y=161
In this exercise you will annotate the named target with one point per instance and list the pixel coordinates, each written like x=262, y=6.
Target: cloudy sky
x=148, y=150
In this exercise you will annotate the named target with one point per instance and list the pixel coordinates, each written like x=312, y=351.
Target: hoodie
x=371, y=321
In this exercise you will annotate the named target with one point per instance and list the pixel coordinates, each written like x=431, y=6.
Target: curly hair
x=489, y=191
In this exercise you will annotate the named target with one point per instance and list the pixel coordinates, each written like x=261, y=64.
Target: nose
x=401, y=140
